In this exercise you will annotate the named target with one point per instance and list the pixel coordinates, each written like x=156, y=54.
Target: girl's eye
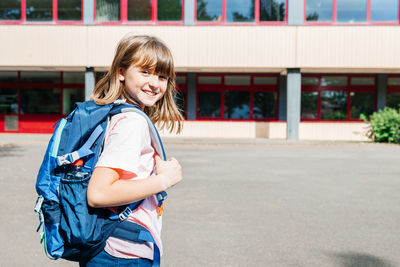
x=163, y=77
x=145, y=72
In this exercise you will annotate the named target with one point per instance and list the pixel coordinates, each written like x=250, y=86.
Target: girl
x=141, y=73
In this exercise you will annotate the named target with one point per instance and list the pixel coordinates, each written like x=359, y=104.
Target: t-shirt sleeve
x=124, y=142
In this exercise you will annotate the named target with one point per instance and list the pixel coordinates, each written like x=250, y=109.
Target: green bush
x=385, y=125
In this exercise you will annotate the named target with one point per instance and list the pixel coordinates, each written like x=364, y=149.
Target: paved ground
x=243, y=203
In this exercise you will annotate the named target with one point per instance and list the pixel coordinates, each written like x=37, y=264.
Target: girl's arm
x=107, y=190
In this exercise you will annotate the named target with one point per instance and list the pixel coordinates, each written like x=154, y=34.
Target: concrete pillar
x=293, y=103
x=88, y=11
x=381, y=94
x=191, y=96
x=189, y=12
x=296, y=12
x=90, y=82
x=282, y=98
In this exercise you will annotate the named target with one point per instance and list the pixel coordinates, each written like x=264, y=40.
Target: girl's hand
x=169, y=172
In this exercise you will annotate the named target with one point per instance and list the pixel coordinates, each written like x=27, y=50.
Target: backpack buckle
x=39, y=203
x=125, y=214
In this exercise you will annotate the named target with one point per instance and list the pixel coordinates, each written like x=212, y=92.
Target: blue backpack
x=69, y=228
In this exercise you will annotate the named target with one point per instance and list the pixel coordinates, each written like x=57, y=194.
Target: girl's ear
x=121, y=74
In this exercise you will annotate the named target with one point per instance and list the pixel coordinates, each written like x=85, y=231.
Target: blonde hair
x=145, y=52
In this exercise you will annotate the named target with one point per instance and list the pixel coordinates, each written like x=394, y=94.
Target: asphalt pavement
x=242, y=203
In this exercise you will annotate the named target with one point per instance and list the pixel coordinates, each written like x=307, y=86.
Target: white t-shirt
x=128, y=149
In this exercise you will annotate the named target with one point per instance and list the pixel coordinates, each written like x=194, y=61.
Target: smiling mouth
x=149, y=92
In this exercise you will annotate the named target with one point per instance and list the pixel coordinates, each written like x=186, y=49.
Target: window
x=169, y=10
x=8, y=101
x=393, y=100
x=384, y=10
x=8, y=76
x=74, y=77
x=239, y=10
x=361, y=104
x=333, y=105
x=319, y=10
x=309, y=105
x=264, y=105
x=10, y=9
x=180, y=97
x=39, y=10
x=40, y=77
x=209, y=104
x=309, y=81
x=40, y=101
x=69, y=9
x=333, y=81
x=108, y=10
x=237, y=105
x=139, y=10
x=272, y=10
x=237, y=80
x=351, y=11
x=70, y=97
x=209, y=10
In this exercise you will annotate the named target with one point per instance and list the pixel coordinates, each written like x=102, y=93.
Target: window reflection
x=209, y=10
x=264, y=105
x=8, y=101
x=309, y=105
x=333, y=105
x=69, y=9
x=107, y=10
x=384, y=10
x=180, y=100
x=39, y=10
x=361, y=104
x=169, y=10
x=139, y=9
x=209, y=104
x=351, y=11
x=40, y=101
x=10, y=9
x=70, y=97
x=319, y=10
x=272, y=10
x=393, y=100
x=239, y=10
x=237, y=105
x=333, y=81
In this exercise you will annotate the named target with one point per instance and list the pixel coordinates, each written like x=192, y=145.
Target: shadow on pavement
x=11, y=151
x=355, y=259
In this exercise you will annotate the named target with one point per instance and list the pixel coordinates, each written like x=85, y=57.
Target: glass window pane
x=10, y=9
x=363, y=81
x=333, y=105
x=319, y=10
x=74, y=77
x=8, y=76
x=393, y=100
x=209, y=104
x=239, y=10
x=309, y=105
x=139, y=9
x=309, y=81
x=210, y=80
x=264, y=105
x=351, y=11
x=393, y=81
x=237, y=105
x=8, y=101
x=108, y=10
x=272, y=10
x=70, y=97
x=237, y=80
x=361, y=103
x=333, y=81
x=180, y=80
x=209, y=10
x=40, y=77
x=170, y=10
x=100, y=75
x=40, y=101
x=265, y=80
x=69, y=9
x=180, y=100
x=384, y=10
x=39, y=10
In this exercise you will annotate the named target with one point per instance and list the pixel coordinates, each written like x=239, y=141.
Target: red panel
x=37, y=123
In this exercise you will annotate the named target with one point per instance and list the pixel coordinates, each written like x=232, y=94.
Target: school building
x=295, y=69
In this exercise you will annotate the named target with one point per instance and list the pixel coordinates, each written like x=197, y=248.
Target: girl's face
x=143, y=85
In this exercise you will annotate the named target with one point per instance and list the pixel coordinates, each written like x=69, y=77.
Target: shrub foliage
x=384, y=125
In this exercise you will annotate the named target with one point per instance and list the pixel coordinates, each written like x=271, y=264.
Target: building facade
x=295, y=69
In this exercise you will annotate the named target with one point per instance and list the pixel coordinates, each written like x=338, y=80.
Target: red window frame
x=124, y=16
x=252, y=88
x=54, y=19
x=349, y=88
x=334, y=17
x=256, y=16
x=36, y=123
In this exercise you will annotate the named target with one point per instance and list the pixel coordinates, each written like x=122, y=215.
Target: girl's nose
x=153, y=81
